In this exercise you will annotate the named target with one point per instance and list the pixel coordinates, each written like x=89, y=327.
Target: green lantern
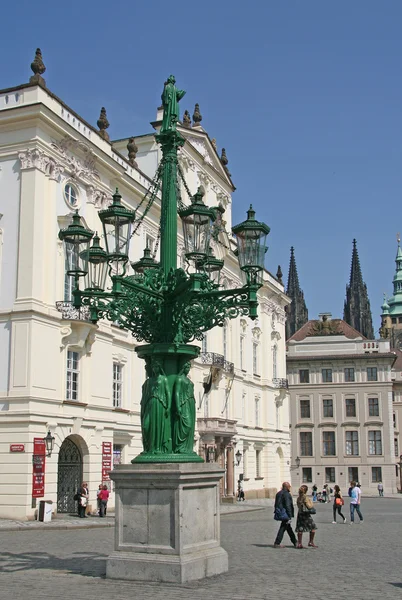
x=117, y=221
x=97, y=267
x=146, y=262
x=76, y=240
x=211, y=265
x=197, y=220
x=251, y=246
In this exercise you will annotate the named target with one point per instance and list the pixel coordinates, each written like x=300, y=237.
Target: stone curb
x=58, y=526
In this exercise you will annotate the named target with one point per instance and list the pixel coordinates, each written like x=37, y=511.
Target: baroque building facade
x=82, y=382
x=341, y=410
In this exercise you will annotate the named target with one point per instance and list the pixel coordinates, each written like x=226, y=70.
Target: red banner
x=106, y=460
x=38, y=468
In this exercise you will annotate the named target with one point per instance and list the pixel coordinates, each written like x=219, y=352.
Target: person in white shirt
x=380, y=489
x=355, y=495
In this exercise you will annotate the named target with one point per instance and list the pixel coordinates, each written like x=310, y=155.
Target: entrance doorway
x=69, y=476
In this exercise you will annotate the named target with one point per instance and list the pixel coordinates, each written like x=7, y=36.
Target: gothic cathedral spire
x=297, y=313
x=356, y=310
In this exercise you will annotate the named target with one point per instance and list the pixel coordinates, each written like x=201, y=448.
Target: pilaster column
x=230, y=470
x=33, y=225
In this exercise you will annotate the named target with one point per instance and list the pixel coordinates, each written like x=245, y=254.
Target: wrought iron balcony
x=71, y=313
x=280, y=383
x=218, y=361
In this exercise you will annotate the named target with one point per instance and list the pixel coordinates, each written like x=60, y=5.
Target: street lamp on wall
x=49, y=441
x=297, y=461
x=238, y=457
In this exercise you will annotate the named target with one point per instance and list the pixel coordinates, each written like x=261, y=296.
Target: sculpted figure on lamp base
x=155, y=410
x=183, y=413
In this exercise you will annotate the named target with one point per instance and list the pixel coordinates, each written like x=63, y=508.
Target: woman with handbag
x=338, y=503
x=305, y=521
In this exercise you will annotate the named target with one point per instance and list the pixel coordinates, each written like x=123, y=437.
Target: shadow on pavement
x=88, y=564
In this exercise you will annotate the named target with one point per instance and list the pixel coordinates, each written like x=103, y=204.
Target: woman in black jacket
x=283, y=499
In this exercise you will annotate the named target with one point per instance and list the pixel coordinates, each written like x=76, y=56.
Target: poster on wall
x=106, y=462
x=38, y=468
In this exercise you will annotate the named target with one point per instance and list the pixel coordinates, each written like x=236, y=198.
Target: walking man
x=283, y=499
x=355, y=495
x=380, y=489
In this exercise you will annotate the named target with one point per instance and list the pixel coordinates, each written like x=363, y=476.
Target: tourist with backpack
x=284, y=512
x=338, y=503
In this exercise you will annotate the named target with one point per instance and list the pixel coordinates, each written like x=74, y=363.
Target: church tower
x=357, y=312
x=391, y=316
x=297, y=313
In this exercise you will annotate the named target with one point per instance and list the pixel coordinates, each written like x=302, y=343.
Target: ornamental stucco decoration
x=201, y=147
x=187, y=163
x=98, y=198
x=73, y=165
x=35, y=158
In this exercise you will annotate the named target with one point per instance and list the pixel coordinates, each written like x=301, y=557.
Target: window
x=396, y=449
x=255, y=358
x=73, y=361
x=243, y=407
x=329, y=474
x=150, y=243
x=306, y=443
x=304, y=409
x=349, y=374
x=274, y=362
x=242, y=352
x=245, y=462
x=394, y=419
x=117, y=385
x=307, y=475
x=206, y=405
x=326, y=375
x=352, y=443
x=376, y=475
x=304, y=375
x=117, y=451
x=70, y=264
x=350, y=406
x=371, y=373
x=258, y=463
x=375, y=443
x=204, y=343
x=328, y=439
x=393, y=320
x=328, y=407
x=257, y=411
x=71, y=195
x=353, y=473
x=374, y=409
x=225, y=341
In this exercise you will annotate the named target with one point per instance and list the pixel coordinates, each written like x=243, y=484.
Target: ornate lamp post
x=161, y=305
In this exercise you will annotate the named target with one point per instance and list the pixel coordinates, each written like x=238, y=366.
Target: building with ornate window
x=80, y=381
x=341, y=413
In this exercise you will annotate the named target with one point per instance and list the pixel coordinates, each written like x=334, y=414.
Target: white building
x=341, y=407
x=80, y=381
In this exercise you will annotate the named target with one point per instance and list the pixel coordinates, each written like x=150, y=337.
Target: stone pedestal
x=167, y=523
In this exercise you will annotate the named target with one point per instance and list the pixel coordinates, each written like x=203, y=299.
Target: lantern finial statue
x=170, y=102
x=163, y=306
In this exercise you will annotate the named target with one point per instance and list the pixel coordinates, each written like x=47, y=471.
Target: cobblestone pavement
x=359, y=561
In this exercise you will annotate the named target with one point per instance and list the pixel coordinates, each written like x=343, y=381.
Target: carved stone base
x=167, y=523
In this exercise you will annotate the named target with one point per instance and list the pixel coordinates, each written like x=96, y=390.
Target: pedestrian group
x=284, y=511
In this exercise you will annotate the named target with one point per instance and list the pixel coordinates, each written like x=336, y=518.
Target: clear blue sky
x=305, y=95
